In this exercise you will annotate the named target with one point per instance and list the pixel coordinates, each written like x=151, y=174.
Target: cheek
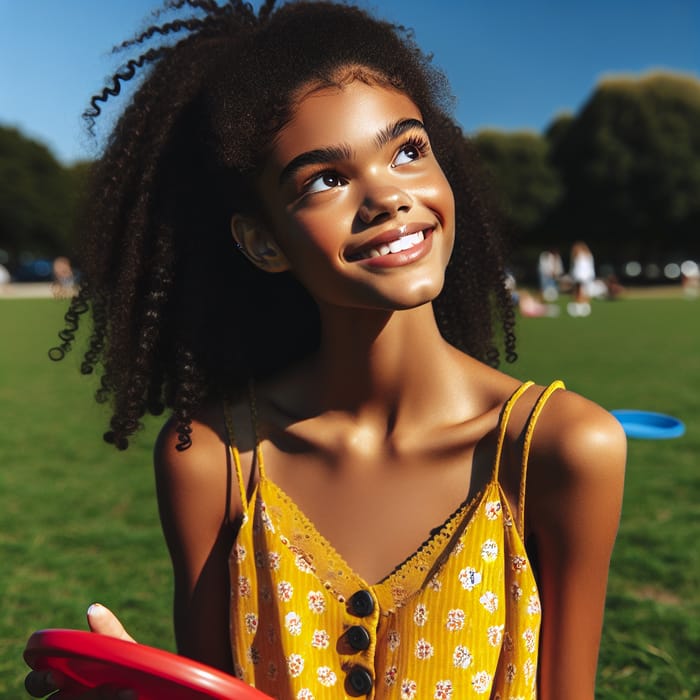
x=446, y=193
x=310, y=242
x=439, y=196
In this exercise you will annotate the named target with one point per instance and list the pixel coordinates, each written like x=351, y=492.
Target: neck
x=379, y=361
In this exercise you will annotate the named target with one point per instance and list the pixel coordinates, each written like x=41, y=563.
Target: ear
x=254, y=241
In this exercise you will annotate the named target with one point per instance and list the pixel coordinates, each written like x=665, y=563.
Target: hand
x=100, y=620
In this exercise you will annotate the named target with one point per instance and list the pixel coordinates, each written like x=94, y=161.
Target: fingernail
x=95, y=609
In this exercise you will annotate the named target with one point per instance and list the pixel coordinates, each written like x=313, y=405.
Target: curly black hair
x=179, y=316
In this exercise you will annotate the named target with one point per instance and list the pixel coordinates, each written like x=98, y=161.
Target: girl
x=288, y=244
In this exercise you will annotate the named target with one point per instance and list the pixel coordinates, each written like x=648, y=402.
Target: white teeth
x=400, y=244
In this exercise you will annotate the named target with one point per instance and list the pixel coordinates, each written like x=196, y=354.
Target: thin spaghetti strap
x=534, y=416
x=235, y=455
x=233, y=447
x=254, y=426
x=503, y=425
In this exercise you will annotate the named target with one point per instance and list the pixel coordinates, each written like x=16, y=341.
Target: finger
x=102, y=692
x=40, y=683
x=104, y=621
x=110, y=692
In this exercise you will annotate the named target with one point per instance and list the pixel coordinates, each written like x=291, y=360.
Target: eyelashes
x=420, y=143
x=412, y=149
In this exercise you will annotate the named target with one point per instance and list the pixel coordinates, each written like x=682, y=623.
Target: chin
x=412, y=298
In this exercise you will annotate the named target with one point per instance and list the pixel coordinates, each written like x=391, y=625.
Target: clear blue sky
x=513, y=64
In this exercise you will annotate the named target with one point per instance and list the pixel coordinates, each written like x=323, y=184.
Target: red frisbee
x=87, y=660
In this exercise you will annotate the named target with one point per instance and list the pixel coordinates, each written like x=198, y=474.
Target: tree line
x=623, y=174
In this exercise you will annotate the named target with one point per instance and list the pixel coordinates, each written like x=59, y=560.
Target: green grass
x=641, y=354
x=78, y=520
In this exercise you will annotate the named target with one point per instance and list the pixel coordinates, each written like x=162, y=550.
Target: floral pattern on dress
x=409, y=689
x=469, y=578
x=316, y=601
x=461, y=657
x=435, y=584
x=251, y=623
x=320, y=639
x=303, y=565
x=492, y=509
x=292, y=623
x=489, y=551
x=420, y=615
x=443, y=690
x=530, y=640
x=326, y=676
x=490, y=601
x=463, y=626
x=455, y=620
x=285, y=590
x=295, y=665
x=481, y=682
x=495, y=635
x=424, y=649
x=533, y=605
x=518, y=562
x=244, y=587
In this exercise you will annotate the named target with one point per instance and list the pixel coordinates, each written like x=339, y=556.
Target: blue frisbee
x=648, y=425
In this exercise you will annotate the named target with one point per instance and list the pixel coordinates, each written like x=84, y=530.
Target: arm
x=197, y=514
x=195, y=489
x=573, y=508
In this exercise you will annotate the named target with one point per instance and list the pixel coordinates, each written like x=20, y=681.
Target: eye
x=323, y=182
x=413, y=150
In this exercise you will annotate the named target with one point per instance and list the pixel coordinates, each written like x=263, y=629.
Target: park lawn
x=78, y=519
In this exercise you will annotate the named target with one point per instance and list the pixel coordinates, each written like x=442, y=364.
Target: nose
x=384, y=202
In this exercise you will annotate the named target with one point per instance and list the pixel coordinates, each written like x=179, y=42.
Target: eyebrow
x=331, y=154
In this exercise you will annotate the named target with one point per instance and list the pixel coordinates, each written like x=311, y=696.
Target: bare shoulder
x=208, y=441
x=578, y=456
x=578, y=435
x=203, y=471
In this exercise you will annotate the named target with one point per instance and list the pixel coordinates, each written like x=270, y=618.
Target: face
x=357, y=201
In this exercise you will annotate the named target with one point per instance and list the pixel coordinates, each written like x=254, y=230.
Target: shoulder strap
x=503, y=424
x=534, y=416
x=235, y=455
x=233, y=448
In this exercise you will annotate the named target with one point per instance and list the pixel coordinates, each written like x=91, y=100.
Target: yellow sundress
x=459, y=619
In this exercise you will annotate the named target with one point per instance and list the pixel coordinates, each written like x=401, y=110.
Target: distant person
x=550, y=268
x=63, y=277
x=4, y=279
x=690, y=279
x=533, y=308
x=582, y=271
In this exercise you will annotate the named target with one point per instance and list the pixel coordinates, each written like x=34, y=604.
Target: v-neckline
x=437, y=535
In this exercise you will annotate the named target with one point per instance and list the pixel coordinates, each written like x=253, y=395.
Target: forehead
x=352, y=114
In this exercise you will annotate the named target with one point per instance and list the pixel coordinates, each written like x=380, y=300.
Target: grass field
x=78, y=520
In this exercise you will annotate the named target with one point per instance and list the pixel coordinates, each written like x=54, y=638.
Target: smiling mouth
x=398, y=245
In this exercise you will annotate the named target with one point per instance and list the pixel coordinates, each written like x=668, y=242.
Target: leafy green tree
x=525, y=179
x=630, y=161
x=37, y=199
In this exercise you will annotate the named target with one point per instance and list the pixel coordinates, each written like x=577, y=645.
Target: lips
x=391, y=243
